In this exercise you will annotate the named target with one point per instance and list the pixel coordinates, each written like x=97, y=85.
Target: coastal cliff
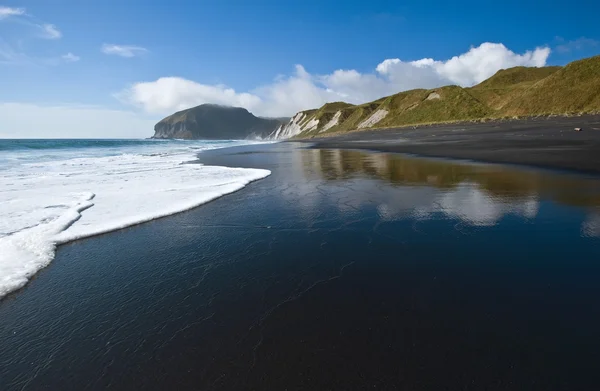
x=214, y=122
x=510, y=93
x=515, y=92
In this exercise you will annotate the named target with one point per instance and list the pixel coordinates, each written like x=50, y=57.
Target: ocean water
x=342, y=270
x=56, y=191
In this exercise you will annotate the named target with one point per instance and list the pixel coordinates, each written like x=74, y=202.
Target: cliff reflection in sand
x=477, y=194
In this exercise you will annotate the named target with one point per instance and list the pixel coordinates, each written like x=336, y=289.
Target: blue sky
x=133, y=62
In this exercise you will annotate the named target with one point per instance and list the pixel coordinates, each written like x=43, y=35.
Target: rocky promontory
x=215, y=122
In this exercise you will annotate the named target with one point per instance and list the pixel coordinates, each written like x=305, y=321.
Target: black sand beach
x=343, y=270
x=543, y=142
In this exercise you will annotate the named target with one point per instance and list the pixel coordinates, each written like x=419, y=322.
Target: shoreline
x=241, y=292
x=92, y=206
x=541, y=143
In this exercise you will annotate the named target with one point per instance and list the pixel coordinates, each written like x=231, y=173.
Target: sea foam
x=47, y=203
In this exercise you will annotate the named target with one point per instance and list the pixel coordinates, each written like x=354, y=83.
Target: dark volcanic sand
x=543, y=142
x=343, y=270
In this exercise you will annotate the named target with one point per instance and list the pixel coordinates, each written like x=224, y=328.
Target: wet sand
x=343, y=270
x=540, y=142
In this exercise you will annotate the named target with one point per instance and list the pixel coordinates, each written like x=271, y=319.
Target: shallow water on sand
x=342, y=270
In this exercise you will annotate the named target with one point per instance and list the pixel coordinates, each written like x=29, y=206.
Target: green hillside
x=573, y=89
x=508, y=84
x=518, y=91
x=517, y=76
x=439, y=105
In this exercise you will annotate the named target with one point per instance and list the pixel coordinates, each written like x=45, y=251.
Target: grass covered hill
x=572, y=89
x=508, y=84
x=519, y=91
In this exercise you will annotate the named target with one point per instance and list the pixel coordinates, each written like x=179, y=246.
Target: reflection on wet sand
x=478, y=194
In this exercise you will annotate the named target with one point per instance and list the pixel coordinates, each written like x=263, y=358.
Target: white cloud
x=177, y=94
x=467, y=69
x=301, y=90
x=355, y=87
x=5, y=12
x=49, y=31
x=482, y=62
x=126, y=51
x=24, y=120
x=285, y=95
x=70, y=57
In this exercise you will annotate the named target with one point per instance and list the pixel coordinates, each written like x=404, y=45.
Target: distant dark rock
x=214, y=122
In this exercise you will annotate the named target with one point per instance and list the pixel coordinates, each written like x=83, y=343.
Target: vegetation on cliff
x=519, y=91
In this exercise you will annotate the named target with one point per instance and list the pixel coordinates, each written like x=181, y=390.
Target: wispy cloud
x=70, y=57
x=580, y=43
x=5, y=12
x=12, y=52
x=11, y=56
x=43, y=30
x=49, y=31
x=8, y=55
x=126, y=51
